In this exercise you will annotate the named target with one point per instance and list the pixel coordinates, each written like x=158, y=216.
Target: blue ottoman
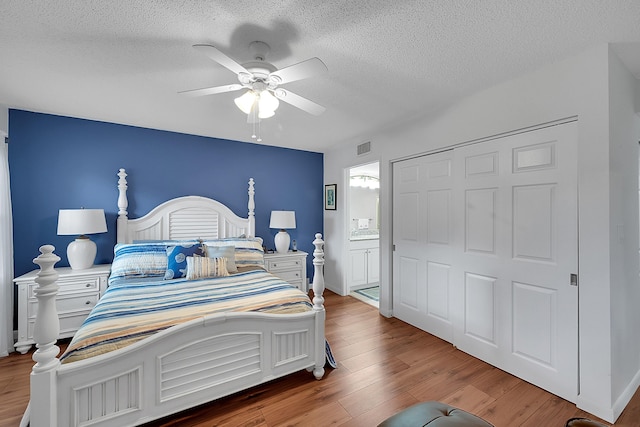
x=433, y=414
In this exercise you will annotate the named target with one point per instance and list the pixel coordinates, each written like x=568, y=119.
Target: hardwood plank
x=516, y=406
x=469, y=398
x=384, y=366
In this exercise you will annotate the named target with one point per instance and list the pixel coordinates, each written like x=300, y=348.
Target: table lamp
x=81, y=253
x=282, y=220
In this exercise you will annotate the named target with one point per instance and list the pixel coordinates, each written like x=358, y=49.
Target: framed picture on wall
x=330, y=197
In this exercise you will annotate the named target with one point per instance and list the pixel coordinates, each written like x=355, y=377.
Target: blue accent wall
x=60, y=162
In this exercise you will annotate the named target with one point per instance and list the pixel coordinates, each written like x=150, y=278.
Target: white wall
x=4, y=120
x=577, y=86
x=624, y=135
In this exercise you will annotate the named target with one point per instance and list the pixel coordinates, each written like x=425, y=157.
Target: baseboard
x=625, y=397
x=334, y=289
x=368, y=285
x=590, y=407
x=611, y=414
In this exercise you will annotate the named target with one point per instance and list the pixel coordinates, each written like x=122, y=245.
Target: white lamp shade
x=265, y=114
x=81, y=253
x=282, y=219
x=267, y=105
x=81, y=221
x=245, y=102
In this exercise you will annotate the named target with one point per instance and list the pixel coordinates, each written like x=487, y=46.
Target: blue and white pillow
x=138, y=260
x=177, y=258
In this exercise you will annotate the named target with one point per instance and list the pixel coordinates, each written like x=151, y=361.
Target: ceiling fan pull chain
x=259, y=139
x=252, y=116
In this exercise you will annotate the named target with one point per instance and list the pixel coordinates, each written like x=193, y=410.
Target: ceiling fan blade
x=299, y=71
x=221, y=58
x=298, y=101
x=212, y=90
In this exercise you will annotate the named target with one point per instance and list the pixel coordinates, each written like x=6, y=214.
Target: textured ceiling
x=124, y=61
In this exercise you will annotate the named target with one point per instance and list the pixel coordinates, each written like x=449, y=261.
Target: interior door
x=512, y=244
x=422, y=236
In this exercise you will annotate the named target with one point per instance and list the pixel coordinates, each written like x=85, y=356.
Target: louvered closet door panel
x=422, y=231
x=516, y=206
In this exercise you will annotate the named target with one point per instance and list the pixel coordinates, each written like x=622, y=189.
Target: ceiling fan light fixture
x=267, y=105
x=265, y=114
x=261, y=81
x=245, y=101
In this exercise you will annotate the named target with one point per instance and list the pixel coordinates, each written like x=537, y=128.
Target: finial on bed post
x=123, y=204
x=252, y=207
x=46, y=331
x=318, y=275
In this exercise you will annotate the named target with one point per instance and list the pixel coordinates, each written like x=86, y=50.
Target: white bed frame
x=183, y=366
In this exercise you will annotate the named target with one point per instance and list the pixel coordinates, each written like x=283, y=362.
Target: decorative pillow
x=248, y=251
x=138, y=260
x=227, y=252
x=201, y=267
x=177, y=258
x=167, y=242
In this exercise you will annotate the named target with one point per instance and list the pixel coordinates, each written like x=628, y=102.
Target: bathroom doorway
x=363, y=263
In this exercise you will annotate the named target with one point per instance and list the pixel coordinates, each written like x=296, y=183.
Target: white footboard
x=176, y=369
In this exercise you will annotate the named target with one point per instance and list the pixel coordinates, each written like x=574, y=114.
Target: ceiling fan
x=262, y=81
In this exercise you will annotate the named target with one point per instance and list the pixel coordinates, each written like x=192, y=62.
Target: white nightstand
x=291, y=267
x=79, y=291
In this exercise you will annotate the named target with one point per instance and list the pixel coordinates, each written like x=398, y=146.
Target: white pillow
x=227, y=252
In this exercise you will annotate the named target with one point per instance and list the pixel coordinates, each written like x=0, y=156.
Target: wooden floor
x=385, y=365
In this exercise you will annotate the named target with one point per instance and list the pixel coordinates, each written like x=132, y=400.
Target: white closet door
x=422, y=234
x=518, y=234
x=496, y=266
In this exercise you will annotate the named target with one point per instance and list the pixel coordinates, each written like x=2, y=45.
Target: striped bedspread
x=133, y=309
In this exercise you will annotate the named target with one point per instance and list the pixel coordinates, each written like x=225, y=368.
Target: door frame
x=346, y=178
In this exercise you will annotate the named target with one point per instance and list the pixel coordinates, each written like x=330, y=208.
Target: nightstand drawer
x=290, y=267
x=289, y=276
x=71, y=285
x=283, y=264
x=69, y=324
x=68, y=304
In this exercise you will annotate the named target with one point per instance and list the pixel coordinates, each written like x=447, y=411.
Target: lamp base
x=282, y=241
x=81, y=253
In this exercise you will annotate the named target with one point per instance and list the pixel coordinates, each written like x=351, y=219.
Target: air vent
x=364, y=148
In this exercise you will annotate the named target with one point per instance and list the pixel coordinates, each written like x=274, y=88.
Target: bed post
x=123, y=203
x=318, y=304
x=42, y=408
x=252, y=206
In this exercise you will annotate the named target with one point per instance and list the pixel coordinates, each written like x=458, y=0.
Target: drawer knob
x=88, y=302
x=88, y=285
x=275, y=265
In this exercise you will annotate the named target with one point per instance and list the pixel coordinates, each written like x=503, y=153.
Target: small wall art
x=330, y=197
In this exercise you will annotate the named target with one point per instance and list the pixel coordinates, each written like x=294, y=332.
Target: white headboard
x=189, y=217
